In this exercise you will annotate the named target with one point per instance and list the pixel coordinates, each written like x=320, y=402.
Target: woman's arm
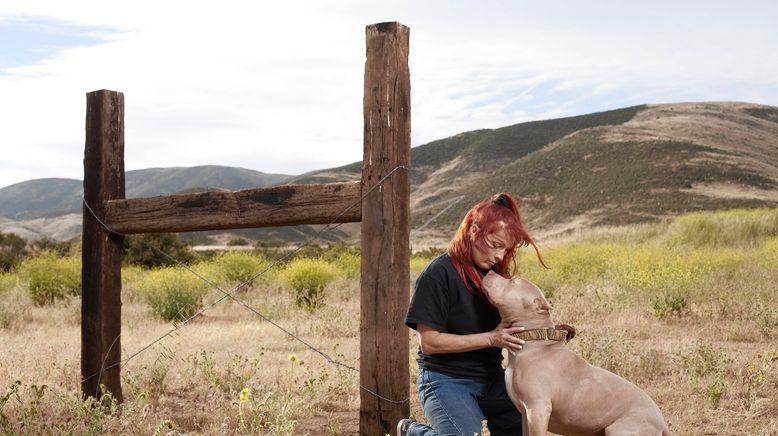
x=435, y=342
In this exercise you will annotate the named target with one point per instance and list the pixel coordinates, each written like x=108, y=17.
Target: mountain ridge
x=623, y=166
x=40, y=198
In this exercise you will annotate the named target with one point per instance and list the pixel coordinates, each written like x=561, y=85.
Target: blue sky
x=26, y=40
x=277, y=87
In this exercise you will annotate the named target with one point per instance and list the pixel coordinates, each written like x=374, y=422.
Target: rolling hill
x=630, y=165
x=52, y=207
x=53, y=197
x=617, y=167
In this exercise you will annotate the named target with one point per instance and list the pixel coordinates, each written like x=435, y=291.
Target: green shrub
x=62, y=249
x=50, y=277
x=237, y=242
x=328, y=253
x=131, y=276
x=307, y=279
x=350, y=265
x=421, y=258
x=12, y=251
x=144, y=249
x=714, y=389
x=429, y=252
x=173, y=294
x=236, y=266
x=418, y=264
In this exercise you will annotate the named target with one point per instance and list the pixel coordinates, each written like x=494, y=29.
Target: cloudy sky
x=277, y=86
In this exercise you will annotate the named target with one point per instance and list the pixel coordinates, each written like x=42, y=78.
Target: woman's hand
x=501, y=337
x=435, y=342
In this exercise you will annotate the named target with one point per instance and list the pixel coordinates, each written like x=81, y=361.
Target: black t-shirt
x=442, y=302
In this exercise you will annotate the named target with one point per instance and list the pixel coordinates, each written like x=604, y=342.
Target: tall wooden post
x=385, y=230
x=101, y=253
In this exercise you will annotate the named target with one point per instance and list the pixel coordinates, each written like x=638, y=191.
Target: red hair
x=501, y=211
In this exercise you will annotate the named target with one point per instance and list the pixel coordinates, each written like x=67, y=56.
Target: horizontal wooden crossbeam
x=285, y=205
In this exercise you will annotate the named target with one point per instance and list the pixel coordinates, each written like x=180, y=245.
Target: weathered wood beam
x=101, y=255
x=213, y=210
x=385, y=275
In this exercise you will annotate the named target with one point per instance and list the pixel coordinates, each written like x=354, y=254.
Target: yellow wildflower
x=244, y=394
x=293, y=358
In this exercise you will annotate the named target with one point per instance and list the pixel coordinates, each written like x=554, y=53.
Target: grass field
x=686, y=309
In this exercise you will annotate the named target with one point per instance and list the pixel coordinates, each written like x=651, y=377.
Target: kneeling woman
x=461, y=379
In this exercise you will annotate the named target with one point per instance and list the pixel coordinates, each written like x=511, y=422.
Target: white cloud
x=278, y=87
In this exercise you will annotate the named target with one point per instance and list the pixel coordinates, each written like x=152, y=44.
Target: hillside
x=637, y=164
x=54, y=197
x=667, y=160
x=630, y=165
x=480, y=149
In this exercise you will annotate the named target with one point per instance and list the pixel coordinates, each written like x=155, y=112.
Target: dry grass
x=711, y=366
x=195, y=376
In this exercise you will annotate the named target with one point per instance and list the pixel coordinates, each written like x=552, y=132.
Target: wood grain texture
x=278, y=206
x=385, y=274
x=101, y=255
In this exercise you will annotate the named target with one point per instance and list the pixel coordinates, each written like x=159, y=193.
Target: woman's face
x=488, y=248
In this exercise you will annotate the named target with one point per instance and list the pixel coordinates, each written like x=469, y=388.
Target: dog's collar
x=547, y=334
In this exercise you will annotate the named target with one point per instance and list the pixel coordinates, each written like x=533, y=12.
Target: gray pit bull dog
x=555, y=389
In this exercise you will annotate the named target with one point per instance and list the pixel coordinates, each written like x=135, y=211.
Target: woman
x=461, y=380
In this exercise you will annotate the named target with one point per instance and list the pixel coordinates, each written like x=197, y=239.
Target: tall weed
x=14, y=302
x=752, y=375
x=229, y=377
x=569, y=264
x=147, y=383
x=766, y=255
x=7, y=282
x=736, y=227
x=652, y=269
x=706, y=366
x=605, y=350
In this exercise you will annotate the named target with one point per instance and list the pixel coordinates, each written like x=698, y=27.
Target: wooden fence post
x=101, y=253
x=385, y=274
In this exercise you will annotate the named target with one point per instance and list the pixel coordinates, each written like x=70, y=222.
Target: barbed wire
x=225, y=295
x=451, y=203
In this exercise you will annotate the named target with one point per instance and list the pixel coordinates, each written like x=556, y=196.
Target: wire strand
x=179, y=325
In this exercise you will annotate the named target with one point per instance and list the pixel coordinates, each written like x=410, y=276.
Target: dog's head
x=516, y=299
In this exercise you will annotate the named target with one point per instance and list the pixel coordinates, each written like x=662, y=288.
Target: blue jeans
x=456, y=406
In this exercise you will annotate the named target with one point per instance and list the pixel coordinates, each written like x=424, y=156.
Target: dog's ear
x=542, y=306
